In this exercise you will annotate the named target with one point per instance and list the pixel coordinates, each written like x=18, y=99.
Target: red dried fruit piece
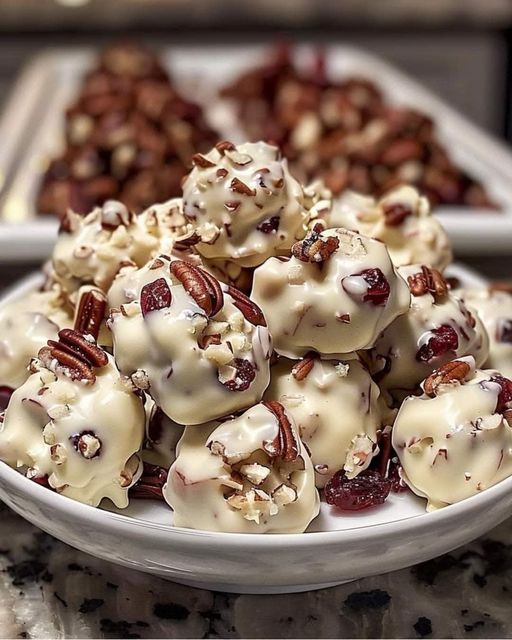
x=155, y=295
x=150, y=484
x=378, y=286
x=245, y=374
x=270, y=225
x=368, y=489
x=505, y=396
x=5, y=396
x=443, y=340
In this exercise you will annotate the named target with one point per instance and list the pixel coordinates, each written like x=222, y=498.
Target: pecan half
x=284, y=445
x=90, y=312
x=85, y=349
x=451, y=372
x=249, y=309
x=396, y=213
x=200, y=285
x=302, y=369
x=205, y=341
x=150, y=484
x=314, y=248
x=154, y=296
x=428, y=281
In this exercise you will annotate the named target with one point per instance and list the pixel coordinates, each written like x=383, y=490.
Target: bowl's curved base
x=258, y=589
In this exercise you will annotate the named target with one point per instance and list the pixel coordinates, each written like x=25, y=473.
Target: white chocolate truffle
x=25, y=326
x=92, y=249
x=455, y=442
x=437, y=328
x=248, y=475
x=200, y=351
x=494, y=308
x=244, y=203
x=81, y=435
x=335, y=295
x=402, y=219
x=335, y=407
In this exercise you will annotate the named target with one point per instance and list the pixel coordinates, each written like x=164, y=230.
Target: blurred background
x=461, y=50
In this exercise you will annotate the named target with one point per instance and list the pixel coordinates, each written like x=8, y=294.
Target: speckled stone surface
x=49, y=590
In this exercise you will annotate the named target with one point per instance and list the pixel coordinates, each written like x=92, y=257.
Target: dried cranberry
x=270, y=225
x=505, y=396
x=5, y=396
x=378, y=287
x=368, y=489
x=443, y=340
x=150, y=484
x=155, y=295
x=245, y=374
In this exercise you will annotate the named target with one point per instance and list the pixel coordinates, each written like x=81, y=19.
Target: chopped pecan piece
x=240, y=187
x=249, y=309
x=205, y=341
x=303, y=368
x=200, y=285
x=224, y=146
x=90, y=312
x=428, y=281
x=284, y=445
x=154, y=296
x=201, y=161
x=451, y=372
x=396, y=213
x=314, y=248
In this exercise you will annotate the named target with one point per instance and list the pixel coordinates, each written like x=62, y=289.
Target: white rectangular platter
x=32, y=126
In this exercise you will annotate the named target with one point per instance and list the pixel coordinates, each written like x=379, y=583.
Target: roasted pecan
x=202, y=161
x=301, y=370
x=154, y=296
x=428, y=281
x=87, y=444
x=249, y=309
x=85, y=349
x=454, y=371
x=244, y=375
x=240, y=187
x=396, y=213
x=150, y=484
x=224, y=146
x=182, y=243
x=90, y=312
x=501, y=286
x=205, y=341
x=202, y=286
x=314, y=248
x=60, y=361
x=284, y=445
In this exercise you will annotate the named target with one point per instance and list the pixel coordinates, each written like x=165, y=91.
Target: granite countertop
x=50, y=590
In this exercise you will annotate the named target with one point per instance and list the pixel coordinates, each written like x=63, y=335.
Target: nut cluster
x=428, y=281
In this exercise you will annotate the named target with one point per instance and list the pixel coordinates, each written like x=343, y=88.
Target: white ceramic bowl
x=337, y=548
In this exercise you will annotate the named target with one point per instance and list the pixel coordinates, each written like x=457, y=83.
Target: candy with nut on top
x=456, y=439
x=335, y=295
x=201, y=350
x=437, y=328
x=250, y=474
x=335, y=406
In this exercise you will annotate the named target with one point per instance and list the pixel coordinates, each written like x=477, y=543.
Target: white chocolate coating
x=419, y=238
x=336, y=410
x=394, y=359
x=99, y=244
x=223, y=479
x=495, y=310
x=227, y=219
x=162, y=351
x=456, y=444
x=25, y=326
x=321, y=307
x=46, y=417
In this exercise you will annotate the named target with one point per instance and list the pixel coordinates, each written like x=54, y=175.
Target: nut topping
x=240, y=187
x=284, y=445
x=83, y=347
x=90, y=312
x=200, y=285
x=451, y=372
x=303, y=368
x=428, y=281
x=154, y=296
x=314, y=248
x=396, y=213
x=150, y=484
x=249, y=309
x=201, y=161
x=224, y=146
